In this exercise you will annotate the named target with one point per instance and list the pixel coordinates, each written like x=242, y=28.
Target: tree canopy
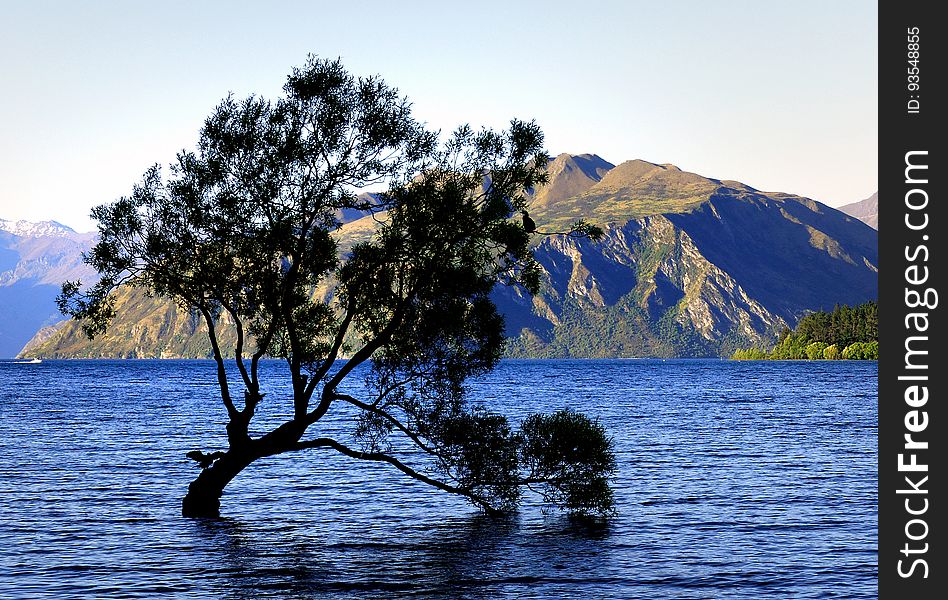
x=242, y=231
x=848, y=332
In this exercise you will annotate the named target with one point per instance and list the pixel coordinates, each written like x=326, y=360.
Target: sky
x=779, y=95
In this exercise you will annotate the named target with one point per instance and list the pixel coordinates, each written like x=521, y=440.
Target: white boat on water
x=32, y=361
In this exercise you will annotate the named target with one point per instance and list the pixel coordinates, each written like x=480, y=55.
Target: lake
x=736, y=480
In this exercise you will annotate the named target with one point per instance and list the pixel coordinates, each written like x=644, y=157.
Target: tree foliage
x=850, y=333
x=568, y=455
x=831, y=352
x=843, y=326
x=242, y=231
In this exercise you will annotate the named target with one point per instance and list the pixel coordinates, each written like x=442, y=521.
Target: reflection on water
x=474, y=556
x=736, y=480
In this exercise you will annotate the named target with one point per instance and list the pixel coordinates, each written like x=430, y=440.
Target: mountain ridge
x=688, y=266
x=23, y=228
x=866, y=210
x=35, y=258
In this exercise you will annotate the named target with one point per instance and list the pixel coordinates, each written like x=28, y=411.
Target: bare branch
x=370, y=347
x=390, y=418
x=232, y=411
x=380, y=457
x=263, y=344
x=239, y=350
x=333, y=352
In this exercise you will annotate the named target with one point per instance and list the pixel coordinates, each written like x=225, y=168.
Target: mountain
x=688, y=266
x=28, y=229
x=35, y=258
x=866, y=210
x=348, y=215
x=570, y=175
x=147, y=327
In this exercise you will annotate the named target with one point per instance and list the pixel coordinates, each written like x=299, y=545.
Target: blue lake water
x=736, y=480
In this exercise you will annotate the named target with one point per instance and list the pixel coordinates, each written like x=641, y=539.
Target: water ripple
x=737, y=480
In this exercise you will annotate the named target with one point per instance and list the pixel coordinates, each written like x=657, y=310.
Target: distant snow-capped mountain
x=42, y=229
x=35, y=259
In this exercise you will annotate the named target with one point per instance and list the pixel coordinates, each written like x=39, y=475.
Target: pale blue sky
x=779, y=95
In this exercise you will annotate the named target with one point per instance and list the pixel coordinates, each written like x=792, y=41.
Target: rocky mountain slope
x=35, y=258
x=146, y=327
x=689, y=266
x=866, y=210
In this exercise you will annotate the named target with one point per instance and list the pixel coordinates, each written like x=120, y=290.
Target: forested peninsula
x=846, y=333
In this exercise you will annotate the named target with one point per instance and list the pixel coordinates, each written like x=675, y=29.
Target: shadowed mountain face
x=348, y=215
x=35, y=258
x=786, y=253
x=866, y=210
x=688, y=266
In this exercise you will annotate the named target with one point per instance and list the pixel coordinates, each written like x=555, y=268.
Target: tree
x=814, y=350
x=242, y=232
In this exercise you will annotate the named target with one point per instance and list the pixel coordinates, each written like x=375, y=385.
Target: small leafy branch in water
x=245, y=228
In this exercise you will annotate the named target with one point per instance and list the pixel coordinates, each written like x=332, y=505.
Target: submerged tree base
x=201, y=505
x=203, y=499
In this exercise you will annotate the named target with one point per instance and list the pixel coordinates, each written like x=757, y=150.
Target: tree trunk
x=204, y=494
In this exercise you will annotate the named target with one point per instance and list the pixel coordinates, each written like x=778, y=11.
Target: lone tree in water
x=242, y=233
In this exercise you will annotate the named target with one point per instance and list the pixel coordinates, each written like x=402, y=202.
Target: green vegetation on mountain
x=148, y=327
x=631, y=190
x=847, y=333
